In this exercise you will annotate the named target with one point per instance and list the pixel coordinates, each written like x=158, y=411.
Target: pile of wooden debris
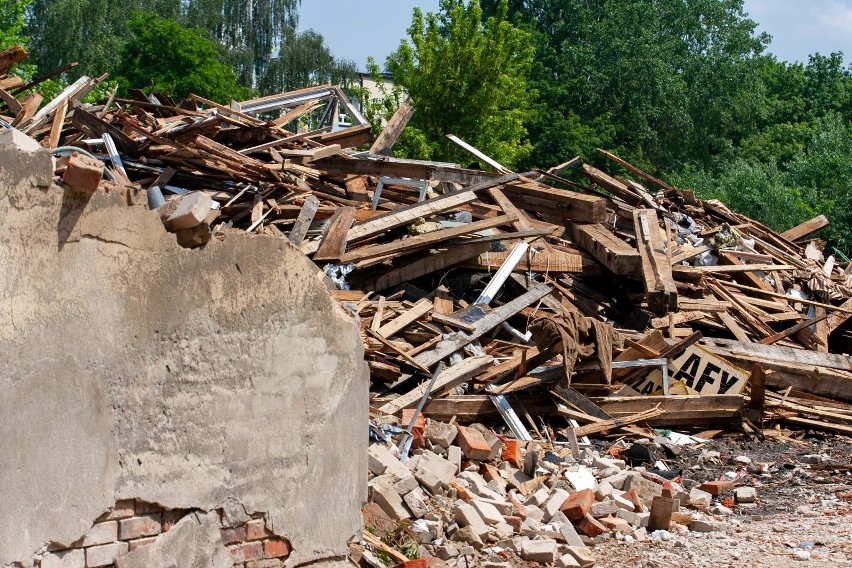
x=555, y=306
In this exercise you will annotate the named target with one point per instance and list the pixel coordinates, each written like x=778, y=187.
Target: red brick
x=514, y=522
x=247, y=551
x=716, y=488
x=489, y=472
x=473, y=444
x=616, y=524
x=143, y=508
x=171, y=518
x=83, y=174
x=134, y=544
x=236, y=534
x=104, y=555
x=101, y=533
x=577, y=504
x=256, y=530
x=276, y=548
x=512, y=453
x=638, y=507
x=122, y=510
x=462, y=492
x=419, y=563
x=590, y=527
x=418, y=429
x=137, y=527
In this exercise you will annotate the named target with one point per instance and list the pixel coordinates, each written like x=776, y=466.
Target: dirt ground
x=803, y=515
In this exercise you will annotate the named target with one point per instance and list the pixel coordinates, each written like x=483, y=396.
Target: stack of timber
x=560, y=308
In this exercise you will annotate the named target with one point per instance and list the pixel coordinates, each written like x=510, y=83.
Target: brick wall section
x=131, y=524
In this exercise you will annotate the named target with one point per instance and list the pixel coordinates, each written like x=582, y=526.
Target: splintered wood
x=578, y=298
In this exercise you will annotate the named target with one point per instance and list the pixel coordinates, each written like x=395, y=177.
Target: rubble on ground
x=529, y=304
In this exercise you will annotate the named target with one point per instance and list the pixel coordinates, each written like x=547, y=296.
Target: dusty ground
x=803, y=516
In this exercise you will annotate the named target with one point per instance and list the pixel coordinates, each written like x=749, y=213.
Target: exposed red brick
x=590, y=527
x=83, y=173
x=512, y=453
x=577, y=504
x=137, y=527
x=276, y=548
x=232, y=535
x=101, y=533
x=247, y=551
x=473, y=444
x=514, y=522
x=134, y=544
x=716, y=488
x=122, y=510
x=142, y=508
x=256, y=530
x=171, y=518
x=104, y=555
x=418, y=429
x=463, y=494
x=615, y=524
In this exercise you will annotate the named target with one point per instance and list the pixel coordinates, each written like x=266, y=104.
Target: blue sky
x=357, y=29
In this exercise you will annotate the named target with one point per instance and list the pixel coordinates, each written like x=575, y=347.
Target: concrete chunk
x=487, y=511
x=191, y=211
x=554, y=503
x=440, y=433
x=466, y=516
x=389, y=500
x=541, y=551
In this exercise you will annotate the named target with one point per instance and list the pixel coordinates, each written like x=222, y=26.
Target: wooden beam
x=420, y=309
x=807, y=228
x=333, y=244
x=448, y=379
x=570, y=205
x=303, y=222
x=403, y=246
x=660, y=288
x=612, y=185
x=491, y=320
x=392, y=130
x=477, y=154
x=437, y=261
x=618, y=256
x=633, y=169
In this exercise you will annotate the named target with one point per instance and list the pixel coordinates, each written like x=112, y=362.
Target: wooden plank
x=453, y=322
x=612, y=185
x=443, y=302
x=633, y=169
x=555, y=261
x=392, y=130
x=484, y=325
x=417, y=311
x=403, y=169
x=678, y=319
x=56, y=127
x=618, y=256
x=411, y=213
x=402, y=246
x=819, y=424
x=333, y=244
x=777, y=354
x=377, y=317
x=606, y=425
x=842, y=309
x=396, y=349
x=791, y=330
x=448, y=379
x=839, y=318
x=295, y=113
x=349, y=137
x=732, y=325
x=303, y=222
x=431, y=263
x=807, y=228
x=660, y=288
x=723, y=269
x=834, y=386
x=570, y=205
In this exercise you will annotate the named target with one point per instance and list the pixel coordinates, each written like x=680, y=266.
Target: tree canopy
x=466, y=75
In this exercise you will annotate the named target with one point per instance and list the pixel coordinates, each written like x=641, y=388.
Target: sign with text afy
x=701, y=371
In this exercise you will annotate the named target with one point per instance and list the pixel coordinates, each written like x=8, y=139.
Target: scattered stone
x=745, y=494
x=541, y=551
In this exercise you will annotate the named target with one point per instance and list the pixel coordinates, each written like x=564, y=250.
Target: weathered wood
x=402, y=246
x=618, y=256
x=570, y=205
x=729, y=322
x=807, y=228
x=612, y=185
x=484, y=325
x=337, y=165
x=838, y=318
x=780, y=355
x=633, y=169
x=555, y=261
x=723, y=269
x=420, y=309
x=479, y=155
x=303, y=222
x=678, y=319
x=438, y=261
x=448, y=379
x=660, y=289
x=333, y=244
x=394, y=127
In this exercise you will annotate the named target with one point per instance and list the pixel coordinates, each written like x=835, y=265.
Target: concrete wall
x=224, y=378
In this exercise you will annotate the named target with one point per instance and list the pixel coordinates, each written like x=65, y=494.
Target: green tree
x=12, y=22
x=303, y=60
x=659, y=81
x=166, y=56
x=465, y=75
